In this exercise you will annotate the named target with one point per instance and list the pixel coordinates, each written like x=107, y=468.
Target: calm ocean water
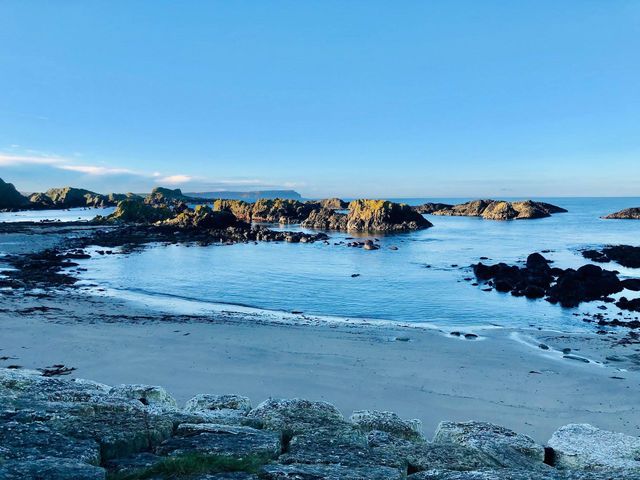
x=420, y=282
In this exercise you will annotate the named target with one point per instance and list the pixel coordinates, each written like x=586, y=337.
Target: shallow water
x=416, y=283
x=69, y=215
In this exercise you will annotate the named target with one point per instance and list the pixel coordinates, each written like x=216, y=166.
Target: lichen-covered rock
x=209, y=403
x=202, y=217
x=278, y=210
x=431, y=207
x=330, y=472
x=153, y=396
x=296, y=415
x=626, y=214
x=10, y=198
x=383, y=216
x=506, y=447
x=389, y=422
x=165, y=196
x=222, y=440
x=136, y=211
x=50, y=469
x=583, y=446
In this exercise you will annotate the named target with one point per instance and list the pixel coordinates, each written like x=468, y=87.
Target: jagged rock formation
x=383, y=216
x=136, y=211
x=77, y=429
x=429, y=207
x=10, y=198
x=167, y=196
x=333, y=203
x=70, y=197
x=326, y=219
x=493, y=209
x=626, y=214
x=369, y=216
x=279, y=210
x=202, y=217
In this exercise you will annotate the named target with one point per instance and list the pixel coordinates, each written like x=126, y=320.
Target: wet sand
x=502, y=376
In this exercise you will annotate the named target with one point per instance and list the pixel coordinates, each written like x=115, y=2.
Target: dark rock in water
x=625, y=255
x=625, y=304
x=626, y=214
x=567, y=287
x=428, y=208
x=632, y=284
x=10, y=198
x=283, y=211
x=326, y=219
x=202, y=217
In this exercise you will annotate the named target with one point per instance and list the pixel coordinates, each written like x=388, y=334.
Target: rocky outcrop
x=70, y=197
x=493, y=209
x=167, y=196
x=326, y=219
x=283, y=211
x=383, y=216
x=138, y=212
x=202, y=217
x=429, y=208
x=626, y=214
x=77, y=429
x=625, y=255
x=333, y=203
x=10, y=198
x=537, y=279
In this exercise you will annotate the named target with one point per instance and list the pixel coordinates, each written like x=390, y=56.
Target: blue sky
x=349, y=98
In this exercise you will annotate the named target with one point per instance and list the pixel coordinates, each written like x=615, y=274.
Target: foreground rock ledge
x=77, y=429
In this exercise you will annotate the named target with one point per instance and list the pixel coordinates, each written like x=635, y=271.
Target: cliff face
x=10, y=198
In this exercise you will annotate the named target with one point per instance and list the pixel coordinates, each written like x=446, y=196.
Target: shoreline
x=418, y=373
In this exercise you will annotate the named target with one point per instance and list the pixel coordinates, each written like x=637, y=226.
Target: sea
x=427, y=280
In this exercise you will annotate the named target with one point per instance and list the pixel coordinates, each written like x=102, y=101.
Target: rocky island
x=626, y=214
x=72, y=429
x=493, y=209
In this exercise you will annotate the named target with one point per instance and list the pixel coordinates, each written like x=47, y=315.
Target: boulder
x=368, y=420
x=431, y=207
x=296, y=415
x=208, y=403
x=10, y=198
x=506, y=447
x=330, y=472
x=222, y=440
x=151, y=396
x=626, y=214
x=583, y=446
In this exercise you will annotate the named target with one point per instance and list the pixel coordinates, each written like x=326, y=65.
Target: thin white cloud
x=97, y=170
x=174, y=179
x=16, y=160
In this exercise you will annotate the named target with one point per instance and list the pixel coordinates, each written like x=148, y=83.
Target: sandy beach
x=502, y=376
